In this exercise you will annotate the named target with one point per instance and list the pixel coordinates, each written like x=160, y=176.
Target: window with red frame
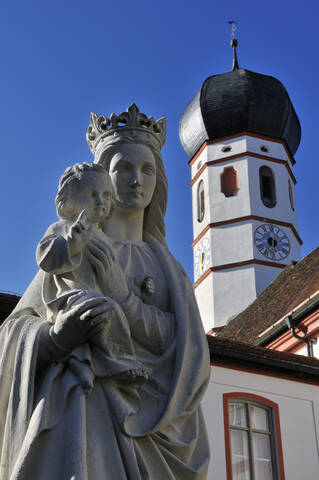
x=229, y=181
x=253, y=445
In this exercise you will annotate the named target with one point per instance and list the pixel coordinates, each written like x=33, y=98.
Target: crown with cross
x=131, y=124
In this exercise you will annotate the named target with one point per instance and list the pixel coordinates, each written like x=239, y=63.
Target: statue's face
x=133, y=174
x=92, y=194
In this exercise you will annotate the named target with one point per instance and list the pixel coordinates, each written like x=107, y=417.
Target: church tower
x=240, y=132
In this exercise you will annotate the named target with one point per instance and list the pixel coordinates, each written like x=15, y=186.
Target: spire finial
x=234, y=44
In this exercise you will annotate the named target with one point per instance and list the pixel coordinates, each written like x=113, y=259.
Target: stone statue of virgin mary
x=62, y=414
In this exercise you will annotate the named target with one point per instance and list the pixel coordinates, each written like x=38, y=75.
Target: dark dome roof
x=239, y=101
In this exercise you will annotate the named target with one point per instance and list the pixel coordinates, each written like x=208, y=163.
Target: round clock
x=272, y=242
x=202, y=256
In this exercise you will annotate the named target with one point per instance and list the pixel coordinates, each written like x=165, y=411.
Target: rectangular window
x=251, y=439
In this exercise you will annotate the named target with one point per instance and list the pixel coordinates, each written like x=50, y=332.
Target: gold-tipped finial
x=234, y=44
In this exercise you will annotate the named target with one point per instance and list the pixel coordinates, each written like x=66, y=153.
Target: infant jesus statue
x=84, y=201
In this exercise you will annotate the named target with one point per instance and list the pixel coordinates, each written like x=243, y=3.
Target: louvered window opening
x=200, y=201
x=267, y=187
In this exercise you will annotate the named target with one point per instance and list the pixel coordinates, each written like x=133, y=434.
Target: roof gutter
x=221, y=353
x=282, y=326
x=291, y=324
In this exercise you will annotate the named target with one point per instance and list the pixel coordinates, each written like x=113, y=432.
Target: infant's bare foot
x=135, y=377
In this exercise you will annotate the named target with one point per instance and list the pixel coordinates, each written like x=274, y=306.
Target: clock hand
x=202, y=255
x=272, y=247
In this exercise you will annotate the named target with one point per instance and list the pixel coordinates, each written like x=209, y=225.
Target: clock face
x=202, y=257
x=272, y=242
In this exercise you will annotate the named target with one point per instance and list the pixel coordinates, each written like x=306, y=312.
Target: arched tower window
x=229, y=181
x=291, y=197
x=267, y=187
x=200, y=201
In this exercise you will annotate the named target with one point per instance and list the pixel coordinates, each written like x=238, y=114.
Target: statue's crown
x=131, y=123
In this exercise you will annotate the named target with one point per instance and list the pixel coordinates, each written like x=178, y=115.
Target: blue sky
x=61, y=60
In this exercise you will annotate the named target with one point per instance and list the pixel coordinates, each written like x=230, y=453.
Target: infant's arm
x=52, y=254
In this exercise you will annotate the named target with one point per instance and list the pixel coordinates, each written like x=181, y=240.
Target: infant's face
x=93, y=193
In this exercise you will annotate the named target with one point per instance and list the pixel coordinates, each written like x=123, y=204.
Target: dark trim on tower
x=229, y=266
x=244, y=219
x=241, y=155
x=242, y=134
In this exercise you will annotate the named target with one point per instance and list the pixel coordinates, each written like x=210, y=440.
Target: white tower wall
x=234, y=290
x=229, y=270
x=222, y=208
x=282, y=211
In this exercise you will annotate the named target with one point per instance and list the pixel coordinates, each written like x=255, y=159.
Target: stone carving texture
x=131, y=122
x=104, y=360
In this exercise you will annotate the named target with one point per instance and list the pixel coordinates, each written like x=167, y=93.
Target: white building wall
x=223, y=208
x=282, y=211
x=234, y=290
x=204, y=294
x=198, y=227
x=234, y=243
x=226, y=208
x=264, y=276
x=275, y=149
x=223, y=294
x=203, y=245
x=242, y=285
x=315, y=349
x=299, y=419
x=198, y=163
x=215, y=152
x=231, y=243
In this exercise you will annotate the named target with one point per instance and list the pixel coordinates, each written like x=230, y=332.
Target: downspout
x=291, y=324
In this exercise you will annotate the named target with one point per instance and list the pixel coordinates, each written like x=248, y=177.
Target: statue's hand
x=79, y=235
x=108, y=271
x=75, y=326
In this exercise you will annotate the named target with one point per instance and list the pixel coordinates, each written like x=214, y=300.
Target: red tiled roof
x=293, y=285
x=310, y=289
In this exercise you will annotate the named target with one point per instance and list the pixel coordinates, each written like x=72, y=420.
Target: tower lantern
x=240, y=132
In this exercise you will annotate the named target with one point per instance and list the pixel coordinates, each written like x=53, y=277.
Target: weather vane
x=233, y=44
x=233, y=28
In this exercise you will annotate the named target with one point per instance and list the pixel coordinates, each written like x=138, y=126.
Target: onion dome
x=239, y=101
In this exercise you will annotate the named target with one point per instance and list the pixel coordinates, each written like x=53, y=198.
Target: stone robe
x=51, y=428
